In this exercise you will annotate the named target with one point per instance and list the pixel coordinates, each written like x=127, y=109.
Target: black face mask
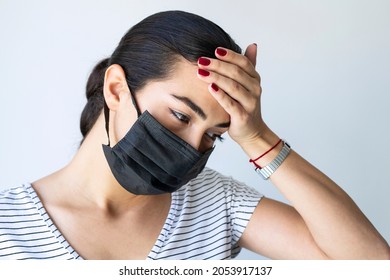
x=150, y=159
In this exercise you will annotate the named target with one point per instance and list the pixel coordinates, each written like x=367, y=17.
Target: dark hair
x=149, y=50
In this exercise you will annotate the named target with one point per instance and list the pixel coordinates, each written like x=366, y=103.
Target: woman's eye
x=181, y=117
x=214, y=137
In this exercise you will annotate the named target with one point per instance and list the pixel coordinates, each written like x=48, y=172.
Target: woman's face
x=183, y=104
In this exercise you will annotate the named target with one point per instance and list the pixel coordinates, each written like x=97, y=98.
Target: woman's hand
x=235, y=84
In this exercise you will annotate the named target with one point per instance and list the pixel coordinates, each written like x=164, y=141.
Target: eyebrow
x=197, y=109
x=192, y=106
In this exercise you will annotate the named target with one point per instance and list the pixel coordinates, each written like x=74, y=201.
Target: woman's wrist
x=264, y=144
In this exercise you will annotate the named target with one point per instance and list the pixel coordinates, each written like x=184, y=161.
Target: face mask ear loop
x=107, y=120
x=135, y=104
x=107, y=115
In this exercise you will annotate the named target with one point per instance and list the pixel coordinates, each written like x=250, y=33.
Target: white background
x=325, y=76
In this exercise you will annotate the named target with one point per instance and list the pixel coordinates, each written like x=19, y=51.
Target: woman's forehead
x=184, y=86
x=185, y=83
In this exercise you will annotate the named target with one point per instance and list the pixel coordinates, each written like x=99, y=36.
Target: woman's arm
x=322, y=221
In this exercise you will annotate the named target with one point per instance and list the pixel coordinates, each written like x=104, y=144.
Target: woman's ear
x=115, y=86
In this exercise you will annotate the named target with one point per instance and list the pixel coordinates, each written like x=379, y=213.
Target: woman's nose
x=196, y=140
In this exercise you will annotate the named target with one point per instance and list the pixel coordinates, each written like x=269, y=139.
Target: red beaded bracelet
x=254, y=160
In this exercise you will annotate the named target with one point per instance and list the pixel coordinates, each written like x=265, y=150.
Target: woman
x=137, y=188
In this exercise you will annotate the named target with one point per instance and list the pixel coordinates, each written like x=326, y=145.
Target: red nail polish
x=214, y=87
x=203, y=73
x=204, y=61
x=221, y=52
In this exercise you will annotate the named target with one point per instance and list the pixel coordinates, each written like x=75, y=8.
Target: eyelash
x=181, y=117
x=185, y=119
x=215, y=137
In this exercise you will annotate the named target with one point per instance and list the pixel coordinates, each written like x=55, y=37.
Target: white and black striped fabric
x=26, y=231
x=206, y=219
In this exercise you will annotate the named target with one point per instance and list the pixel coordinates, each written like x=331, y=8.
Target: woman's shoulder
x=208, y=178
x=14, y=198
x=211, y=181
x=15, y=192
x=208, y=173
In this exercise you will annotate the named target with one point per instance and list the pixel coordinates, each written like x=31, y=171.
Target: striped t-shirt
x=206, y=219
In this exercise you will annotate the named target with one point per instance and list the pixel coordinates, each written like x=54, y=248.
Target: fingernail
x=204, y=61
x=203, y=73
x=255, y=44
x=214, y=87
x=221, y=52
